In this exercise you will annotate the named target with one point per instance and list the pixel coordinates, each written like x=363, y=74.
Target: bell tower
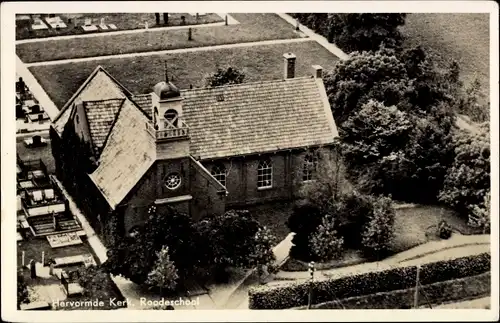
x=170, y=131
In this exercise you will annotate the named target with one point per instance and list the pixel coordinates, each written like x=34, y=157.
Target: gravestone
x=190, y=34
x=32, y=269
x=157, y=17
x=183, y=20
x=102, y=21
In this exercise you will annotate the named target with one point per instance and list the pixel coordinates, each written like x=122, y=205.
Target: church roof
x=258, y=117
x=100, y=116
x=128, y=154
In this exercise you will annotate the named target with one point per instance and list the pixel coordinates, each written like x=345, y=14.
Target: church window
x=265, y=174
x=310, y=167
x=219, y=172
x=172, y=181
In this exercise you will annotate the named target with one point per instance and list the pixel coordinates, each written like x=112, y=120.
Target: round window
x=172, y=181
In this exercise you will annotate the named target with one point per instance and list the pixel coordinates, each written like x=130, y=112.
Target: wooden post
x=415, y=305
x=297, y=25
x=190, y=34
x=43, y=258
x=226, y=20
x=22, y=259
x=311, y=272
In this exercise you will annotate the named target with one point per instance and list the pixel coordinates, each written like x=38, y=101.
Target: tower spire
x=166, y=72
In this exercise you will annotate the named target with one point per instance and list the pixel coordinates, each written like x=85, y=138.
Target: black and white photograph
x=289, y=156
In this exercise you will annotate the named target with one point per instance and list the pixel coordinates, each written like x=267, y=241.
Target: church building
x=200, y=150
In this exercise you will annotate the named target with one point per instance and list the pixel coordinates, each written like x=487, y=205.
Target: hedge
x=437, y=293
x=398, y=278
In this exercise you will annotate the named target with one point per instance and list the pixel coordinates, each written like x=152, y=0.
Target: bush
x=325, y=244
x=437, y=293
x=379, y=229
x=164, y=274
x=467, y=181
x=304, y=220
x=444, y=230
x=368, y=283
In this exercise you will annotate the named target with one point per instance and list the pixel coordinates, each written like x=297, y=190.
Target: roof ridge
x=249, y=83
x=104, y=100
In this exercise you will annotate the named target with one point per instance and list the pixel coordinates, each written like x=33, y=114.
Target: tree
x=164, y=275
x=378, y=76
x=470, y=103
x=303, y=221
x=378, y=230
x=262, y=253
x=329, y=178
x=135, y=257
x=325, y=242
x=224, y=76
x=22, y=290
x=467, y=181
x=356, y=32
x=373, y=132
x=233, y=239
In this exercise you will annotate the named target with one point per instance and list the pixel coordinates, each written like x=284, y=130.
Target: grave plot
x=64, y=239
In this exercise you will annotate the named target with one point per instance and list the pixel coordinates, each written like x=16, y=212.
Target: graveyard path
x=332, y=48
x=171, y=51
x=230, y=21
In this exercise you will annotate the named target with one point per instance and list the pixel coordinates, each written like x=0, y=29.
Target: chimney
x=289, y=71
x=317, y=71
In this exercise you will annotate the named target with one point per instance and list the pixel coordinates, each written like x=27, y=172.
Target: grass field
x=461, y=36
x=140, y=74
x=253, y=27
x=123, y=21
x=412, y=225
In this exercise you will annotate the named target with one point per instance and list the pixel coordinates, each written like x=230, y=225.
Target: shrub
x=164, y=274
x=437, y=293
x=444, y=230
x=378, y=231
x=22, y=290
x=325, y=244
x=368, y=283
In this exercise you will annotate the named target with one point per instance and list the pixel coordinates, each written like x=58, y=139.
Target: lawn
x=460, y=36
x=253, y=27
x=140, y=74
x=43, y=153
x=274, y=217
x=415, y=226
x=124, y=21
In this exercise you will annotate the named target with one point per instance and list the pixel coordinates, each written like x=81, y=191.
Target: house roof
x=100, y=116
x=258, y=117
x=126, y=157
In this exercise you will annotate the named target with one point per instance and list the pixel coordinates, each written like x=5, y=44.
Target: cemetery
x=30, y=116
x=258, y=63
x=51, y=25
x=250, y=28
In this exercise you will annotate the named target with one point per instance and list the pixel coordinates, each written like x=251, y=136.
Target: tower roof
x=166, y=90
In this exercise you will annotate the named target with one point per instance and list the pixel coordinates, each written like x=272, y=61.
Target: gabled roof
x=100, y=85
x=258, y=117
x=100, y=116
x=145, y=102
x=127, y=156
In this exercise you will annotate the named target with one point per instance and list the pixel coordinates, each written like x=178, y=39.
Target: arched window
x=310, y=167
x=219, y=172
x=171, y=118
x=265, y=174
